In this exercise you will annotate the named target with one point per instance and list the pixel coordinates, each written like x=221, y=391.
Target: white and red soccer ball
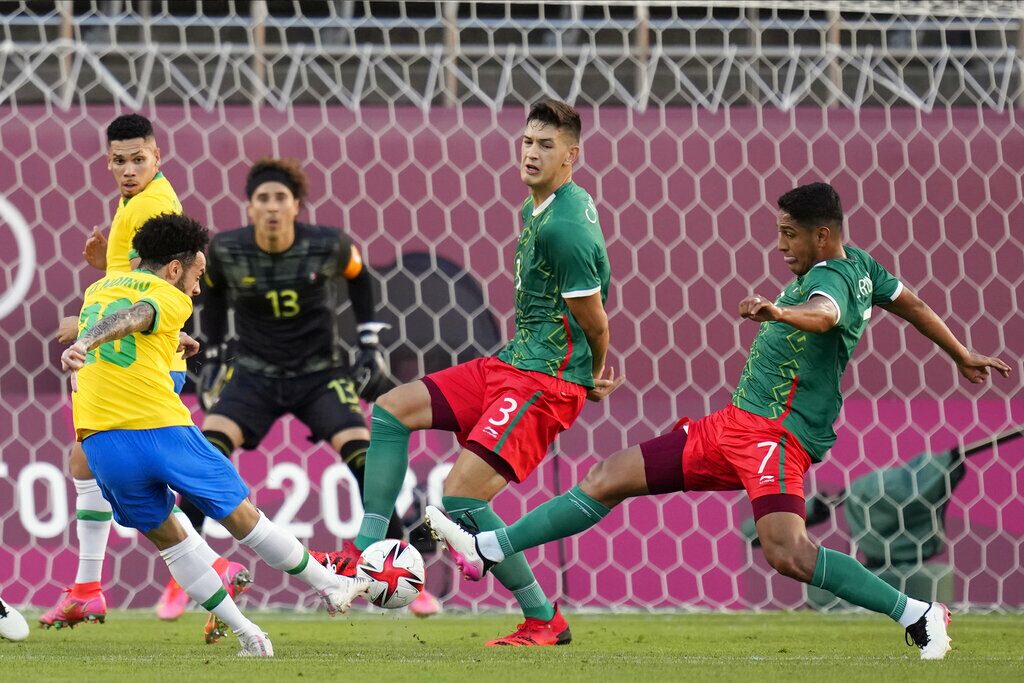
x=395, y=570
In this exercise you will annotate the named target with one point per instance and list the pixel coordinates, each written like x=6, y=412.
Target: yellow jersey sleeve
x=171, y=310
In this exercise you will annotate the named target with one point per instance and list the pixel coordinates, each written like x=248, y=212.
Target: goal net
x=697, y=116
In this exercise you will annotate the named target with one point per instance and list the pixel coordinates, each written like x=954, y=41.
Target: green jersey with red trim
x=794, y=376
x=561, y=254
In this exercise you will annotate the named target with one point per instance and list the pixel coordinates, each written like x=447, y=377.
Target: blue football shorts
x=137, y=468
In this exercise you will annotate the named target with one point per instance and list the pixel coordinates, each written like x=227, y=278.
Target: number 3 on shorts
x=771, y=446
x=506, y=412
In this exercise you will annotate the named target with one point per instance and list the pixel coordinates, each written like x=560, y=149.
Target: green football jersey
x=794, y=376
x=561, y=254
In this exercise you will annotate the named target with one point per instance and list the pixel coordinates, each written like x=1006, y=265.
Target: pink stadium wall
x=685, y=198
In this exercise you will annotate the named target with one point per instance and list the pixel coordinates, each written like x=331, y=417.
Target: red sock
x=86, y=588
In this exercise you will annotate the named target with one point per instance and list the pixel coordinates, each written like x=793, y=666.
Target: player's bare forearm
x=975, y=367
x=117, y=325
x=911, y=308
x=817, y=315
x=589, y=313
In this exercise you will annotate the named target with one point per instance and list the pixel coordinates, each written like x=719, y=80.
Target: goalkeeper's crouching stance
x=140, y=440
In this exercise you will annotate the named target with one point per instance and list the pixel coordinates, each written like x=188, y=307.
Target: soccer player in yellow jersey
x=139, y=437
x=133, y=158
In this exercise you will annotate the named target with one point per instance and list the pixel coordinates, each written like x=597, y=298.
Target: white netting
x=697, y=116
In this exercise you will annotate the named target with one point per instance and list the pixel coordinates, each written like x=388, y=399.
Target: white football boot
x=339, y=598
x=461, y=543
x=255, y=645
x=929, y=632
x=12, y=625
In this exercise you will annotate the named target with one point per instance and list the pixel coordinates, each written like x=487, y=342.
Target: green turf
x=718, y=647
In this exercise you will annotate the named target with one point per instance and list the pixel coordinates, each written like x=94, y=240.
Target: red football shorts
x=498, y=410
x=728, y=450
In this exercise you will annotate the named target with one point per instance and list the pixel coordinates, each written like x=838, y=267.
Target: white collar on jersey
x=544, y=204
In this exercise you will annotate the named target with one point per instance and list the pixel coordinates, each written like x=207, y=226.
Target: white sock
x=283, y=551
x=189, y=567
x=914, y=610
x=204, y=549
x=487, y=544
x=94, y=518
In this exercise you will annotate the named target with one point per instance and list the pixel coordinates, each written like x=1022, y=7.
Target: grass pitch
x=629, y=647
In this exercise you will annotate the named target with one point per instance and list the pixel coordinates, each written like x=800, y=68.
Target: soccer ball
x=395, y=570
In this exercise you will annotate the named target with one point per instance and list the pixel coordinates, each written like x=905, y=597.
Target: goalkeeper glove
x=213, y=375
x=369, y=369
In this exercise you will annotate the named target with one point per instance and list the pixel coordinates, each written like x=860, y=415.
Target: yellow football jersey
x=126, y=383
x=157, y=198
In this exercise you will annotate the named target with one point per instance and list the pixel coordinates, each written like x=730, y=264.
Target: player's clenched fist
x=759, y=309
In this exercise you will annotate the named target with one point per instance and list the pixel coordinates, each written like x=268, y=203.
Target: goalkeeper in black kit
x=283, y=280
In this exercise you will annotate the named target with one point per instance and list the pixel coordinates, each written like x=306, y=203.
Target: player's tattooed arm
x=127, y=321
x=117, y=325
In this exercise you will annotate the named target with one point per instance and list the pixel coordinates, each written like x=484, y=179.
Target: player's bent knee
x=791, y=560
x=602, y=485
x=409, y=403
x=226, y=427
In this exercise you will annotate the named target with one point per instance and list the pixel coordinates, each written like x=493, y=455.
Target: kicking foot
x=339, y=597
x=461, y=543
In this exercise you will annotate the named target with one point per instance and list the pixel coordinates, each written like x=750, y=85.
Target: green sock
x=387, y=460
x=562, y=516
x=846, y=578
x=513, y=573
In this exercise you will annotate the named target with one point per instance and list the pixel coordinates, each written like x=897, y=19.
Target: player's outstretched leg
x=283, y=551
x=12, y=624
x=789, y=551
x=476, y=552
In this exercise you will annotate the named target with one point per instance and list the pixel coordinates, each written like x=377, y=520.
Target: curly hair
x=813, y=205
x=285, y=171
x=557, y=114
x=169, y=237
x=129, y=127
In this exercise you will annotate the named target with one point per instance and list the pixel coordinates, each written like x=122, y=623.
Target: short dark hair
x=169, y=237
x=129, y=127
x=285, y=171
x=558, y=114
x=813, y=205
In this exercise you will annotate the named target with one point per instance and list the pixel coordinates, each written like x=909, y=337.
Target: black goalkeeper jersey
x=285, y=304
